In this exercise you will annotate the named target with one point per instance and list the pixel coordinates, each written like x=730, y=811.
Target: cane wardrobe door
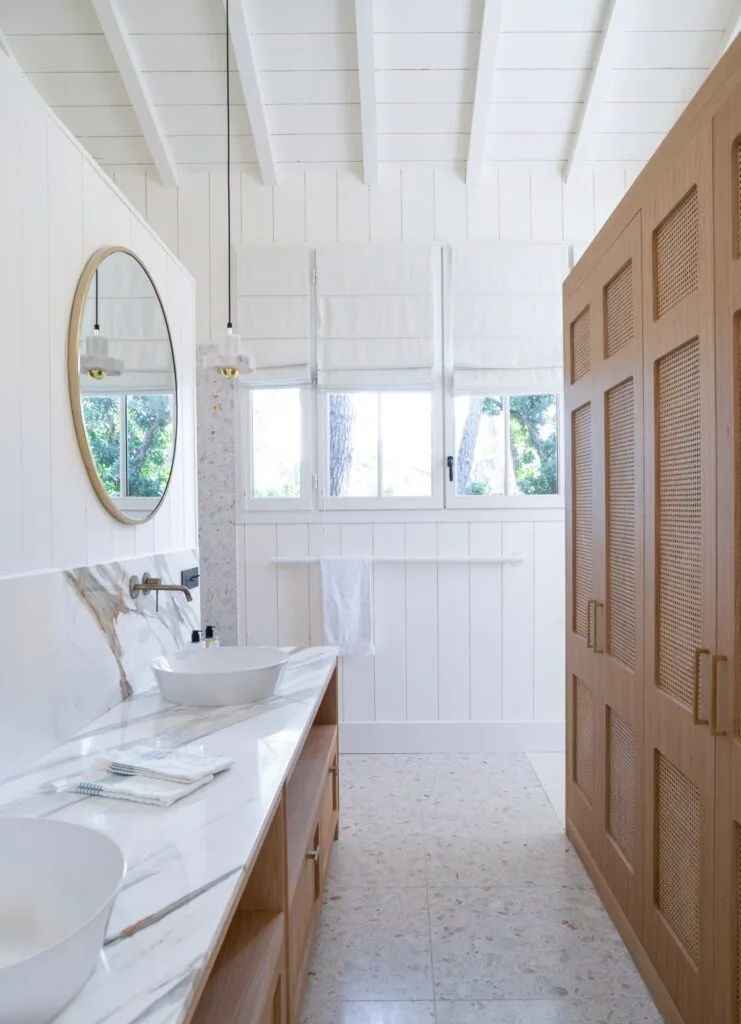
x=725, y=710
x=679, y=751
x=581, y=314
x=619, y=500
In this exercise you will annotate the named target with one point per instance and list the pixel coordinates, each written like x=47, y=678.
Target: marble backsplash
x=74, y=643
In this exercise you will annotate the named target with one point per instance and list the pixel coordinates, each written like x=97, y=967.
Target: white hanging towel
x=347, y=604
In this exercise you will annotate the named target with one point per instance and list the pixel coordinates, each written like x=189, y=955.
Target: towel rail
x=513, y=559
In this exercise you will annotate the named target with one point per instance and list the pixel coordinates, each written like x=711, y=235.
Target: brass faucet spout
x=152, y=583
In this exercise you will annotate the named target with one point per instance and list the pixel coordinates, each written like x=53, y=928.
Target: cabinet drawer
x=304, y=905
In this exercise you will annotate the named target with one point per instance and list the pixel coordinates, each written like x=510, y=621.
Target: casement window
x=402, y=376
x=130, y=440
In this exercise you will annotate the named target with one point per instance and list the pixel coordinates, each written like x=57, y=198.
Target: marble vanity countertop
x=185, y=862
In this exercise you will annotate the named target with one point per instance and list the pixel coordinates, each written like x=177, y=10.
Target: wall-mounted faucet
x=148, y=583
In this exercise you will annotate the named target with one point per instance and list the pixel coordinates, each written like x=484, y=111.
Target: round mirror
x=122, y=384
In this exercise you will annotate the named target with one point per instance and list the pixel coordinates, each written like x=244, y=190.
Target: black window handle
x=451, y=463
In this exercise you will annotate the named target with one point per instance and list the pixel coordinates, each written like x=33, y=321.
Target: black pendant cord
x=228, y=176
x=96, y=325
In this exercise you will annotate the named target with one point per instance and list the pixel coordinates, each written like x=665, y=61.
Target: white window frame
x=326, y=501
x=305, y=501
x=454, y=500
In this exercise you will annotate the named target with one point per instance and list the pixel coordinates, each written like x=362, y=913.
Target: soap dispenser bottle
x=211, y=637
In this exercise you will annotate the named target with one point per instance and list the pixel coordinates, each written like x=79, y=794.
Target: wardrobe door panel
x=619, y=573
x=582, y=555
x=680, y=571
x=725, y=710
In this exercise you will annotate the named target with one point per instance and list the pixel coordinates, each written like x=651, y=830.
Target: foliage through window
x=131, y=441
x=506, y=445
x=379, y=444
x=276, y=443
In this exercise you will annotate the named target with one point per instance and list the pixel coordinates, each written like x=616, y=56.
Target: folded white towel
x=170, y=763
x=139, y=789
x=347, y=604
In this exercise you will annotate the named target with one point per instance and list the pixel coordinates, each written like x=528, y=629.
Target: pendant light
x=95, y=361
x=229, y=355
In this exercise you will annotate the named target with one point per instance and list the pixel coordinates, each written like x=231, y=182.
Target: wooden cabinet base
x=258, y=973
x=650, y=975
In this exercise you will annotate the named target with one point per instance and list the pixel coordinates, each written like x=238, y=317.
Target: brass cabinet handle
x=714, y=696
x=591, y=603
x=699, y=651
x=315, y=856
x=335, y=773
x=595, y=648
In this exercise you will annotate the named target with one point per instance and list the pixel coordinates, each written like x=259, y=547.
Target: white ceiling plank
x=364, y=34
x=732, y=30
x=599, y=80
x=490, y=27
x=244, y=53
x=118, y=39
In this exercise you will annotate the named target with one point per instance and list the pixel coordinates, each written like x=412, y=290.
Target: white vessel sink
x=220, y=675
x=57, y=886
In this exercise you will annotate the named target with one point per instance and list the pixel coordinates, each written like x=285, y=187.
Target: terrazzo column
x=217, y=490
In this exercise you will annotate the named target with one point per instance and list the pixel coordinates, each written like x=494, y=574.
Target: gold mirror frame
x=75, y=393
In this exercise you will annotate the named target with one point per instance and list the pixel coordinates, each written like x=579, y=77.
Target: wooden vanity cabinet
x=259, y=970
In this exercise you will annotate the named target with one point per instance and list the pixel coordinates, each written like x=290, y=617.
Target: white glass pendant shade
x=230, y=356
x=95, y=361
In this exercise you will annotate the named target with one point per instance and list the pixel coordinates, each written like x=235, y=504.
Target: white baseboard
x=451, y=737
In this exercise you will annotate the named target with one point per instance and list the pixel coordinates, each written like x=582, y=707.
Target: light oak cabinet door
x=618, y=485
x=680, y=577
x=725, y=709
x=581, y=331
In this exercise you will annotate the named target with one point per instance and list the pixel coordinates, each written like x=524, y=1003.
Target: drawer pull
x=313, y=854
x=699, y=651
x=714, y=696
x=335, y=773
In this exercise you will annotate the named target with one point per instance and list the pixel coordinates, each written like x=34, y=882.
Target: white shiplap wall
x=56, y=208
x=466, y=656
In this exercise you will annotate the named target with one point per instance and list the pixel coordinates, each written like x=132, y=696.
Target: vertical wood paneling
x=12, y=111
x=194, y=202
x=324, y=539
x=517, y=624
x=321, y=207
x=35, y=379
x=483, y=210
x=69, y=483
x=609, y=189
x=353, y=209
x=385, y=208
x=293, y=586
x=454, y=643
x=162, y=211
x=515, y=215
x=578, y=208
x=390, y=624
x=548, y=602
x=358, y=673
x=546, y=196
x=421, y=596
x=486, y=624
x=417, y=205
x=289, y=211
x=218, y=255
x=261, y=606
x=133, y=184
x=451, y=211
x=257, y=212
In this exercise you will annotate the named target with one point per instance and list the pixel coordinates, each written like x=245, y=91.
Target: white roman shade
x=273, y=312
x=375, y=315
x=506, y=316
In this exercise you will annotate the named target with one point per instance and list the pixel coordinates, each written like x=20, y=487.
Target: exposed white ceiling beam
x=242, y=45
x=482, y=98
x=734, y=27
x=6, y=48
x=599, y=81
x=118, y=40
x=367, y=79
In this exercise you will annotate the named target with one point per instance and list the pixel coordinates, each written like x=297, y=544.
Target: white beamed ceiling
x=425, y=51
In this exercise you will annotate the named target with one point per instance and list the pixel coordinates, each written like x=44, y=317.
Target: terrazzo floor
x=454, y=897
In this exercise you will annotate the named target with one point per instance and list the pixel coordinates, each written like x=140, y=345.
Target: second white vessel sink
x=57, y=886
x=217, y=676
